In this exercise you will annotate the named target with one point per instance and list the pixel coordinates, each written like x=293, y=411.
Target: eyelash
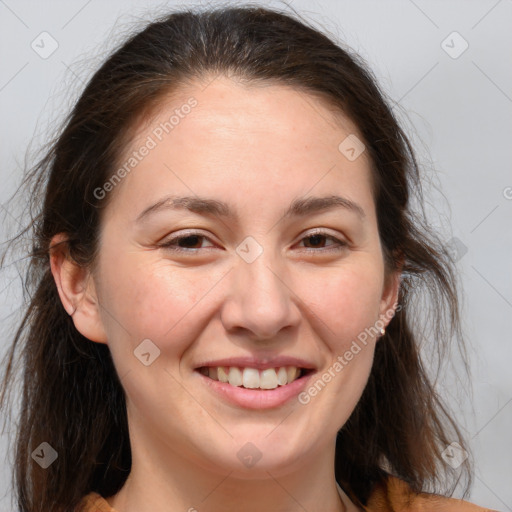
x=172, y=244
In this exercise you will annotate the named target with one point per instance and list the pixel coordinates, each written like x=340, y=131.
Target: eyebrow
x=298, y=208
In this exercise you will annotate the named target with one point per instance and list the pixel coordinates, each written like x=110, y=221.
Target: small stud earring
x=382, y=331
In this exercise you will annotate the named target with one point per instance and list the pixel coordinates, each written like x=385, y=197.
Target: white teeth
x=282, y=376
x=252, y=378
x=222, y=374
x=235, y=376
x=268, y=379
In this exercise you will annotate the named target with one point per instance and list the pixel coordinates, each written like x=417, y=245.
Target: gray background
x=457, y=111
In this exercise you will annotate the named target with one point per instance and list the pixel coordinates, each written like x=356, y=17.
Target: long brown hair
x=72, y=397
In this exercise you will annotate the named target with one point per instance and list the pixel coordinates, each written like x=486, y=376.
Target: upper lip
x=259, y=363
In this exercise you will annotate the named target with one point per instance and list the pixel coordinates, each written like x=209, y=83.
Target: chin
x=254, y=459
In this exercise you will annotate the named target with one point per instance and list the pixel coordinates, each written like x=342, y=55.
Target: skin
x=257, y=148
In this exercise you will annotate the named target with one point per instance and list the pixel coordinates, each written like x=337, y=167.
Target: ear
x=389, y=299
x=76, y=290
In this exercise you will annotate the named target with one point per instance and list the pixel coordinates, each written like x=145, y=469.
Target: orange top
x=393, y=496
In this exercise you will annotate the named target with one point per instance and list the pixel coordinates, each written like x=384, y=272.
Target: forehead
x=235, y=109
x=219, y=131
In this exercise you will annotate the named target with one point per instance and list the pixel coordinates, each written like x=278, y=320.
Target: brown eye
x=317, y=242
x=190, y=242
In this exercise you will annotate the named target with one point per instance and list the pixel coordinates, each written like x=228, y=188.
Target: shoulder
x=395, y=495
x=93, y=502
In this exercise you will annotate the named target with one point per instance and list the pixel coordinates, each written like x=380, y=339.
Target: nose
x=260, y=301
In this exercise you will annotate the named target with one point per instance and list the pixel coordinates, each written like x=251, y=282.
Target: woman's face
x=248, y=273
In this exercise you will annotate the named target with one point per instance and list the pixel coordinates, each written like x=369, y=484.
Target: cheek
x=153, y=300
x=345, y=300
x=346, y=306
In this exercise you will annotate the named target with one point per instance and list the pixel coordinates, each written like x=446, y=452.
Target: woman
x=223, y=271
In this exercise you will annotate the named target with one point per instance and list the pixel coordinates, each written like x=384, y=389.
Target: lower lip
x=257, y=398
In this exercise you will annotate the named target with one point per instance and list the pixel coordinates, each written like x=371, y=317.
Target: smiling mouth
x=252, y=378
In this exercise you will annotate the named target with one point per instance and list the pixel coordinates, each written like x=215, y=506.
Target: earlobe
x=76, y=290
